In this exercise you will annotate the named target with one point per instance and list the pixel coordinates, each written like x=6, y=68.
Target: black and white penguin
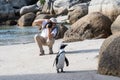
x=61, y=59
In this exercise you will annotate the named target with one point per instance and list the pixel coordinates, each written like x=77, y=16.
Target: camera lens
x=49, y=25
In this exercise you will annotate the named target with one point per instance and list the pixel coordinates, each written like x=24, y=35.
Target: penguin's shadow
x=82, y=51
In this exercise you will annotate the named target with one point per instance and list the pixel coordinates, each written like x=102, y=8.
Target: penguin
x=61, y=59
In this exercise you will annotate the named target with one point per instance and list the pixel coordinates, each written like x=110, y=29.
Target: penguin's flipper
x=67, y=62
x=56, y=59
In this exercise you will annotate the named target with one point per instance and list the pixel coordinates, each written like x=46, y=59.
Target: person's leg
x=50, y=45
x=50, y=50
x=40, y=42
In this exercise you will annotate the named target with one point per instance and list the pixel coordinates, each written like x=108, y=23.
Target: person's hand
x=49, y=25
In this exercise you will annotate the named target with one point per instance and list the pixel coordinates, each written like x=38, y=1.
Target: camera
x=49, y=24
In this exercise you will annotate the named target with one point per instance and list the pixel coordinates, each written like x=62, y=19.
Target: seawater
x=10, y=35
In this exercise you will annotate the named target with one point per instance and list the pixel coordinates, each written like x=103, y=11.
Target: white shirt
x=44, y=32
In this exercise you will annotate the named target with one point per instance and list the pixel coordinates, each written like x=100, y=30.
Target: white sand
x=21, y=62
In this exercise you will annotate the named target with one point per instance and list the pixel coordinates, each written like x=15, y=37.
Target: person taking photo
x=47, y=35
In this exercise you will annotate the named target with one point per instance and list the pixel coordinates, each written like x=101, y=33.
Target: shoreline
x=16, y=44
x=23, y=62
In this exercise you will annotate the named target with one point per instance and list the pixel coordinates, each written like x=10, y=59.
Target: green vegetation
x=42, y=2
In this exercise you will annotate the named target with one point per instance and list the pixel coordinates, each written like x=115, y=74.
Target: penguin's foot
x=62, y=71
x=58, y=71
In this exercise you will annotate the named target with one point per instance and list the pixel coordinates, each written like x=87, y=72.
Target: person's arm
x=50, y=35
x=39, y=21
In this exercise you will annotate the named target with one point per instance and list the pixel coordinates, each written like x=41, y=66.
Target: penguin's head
x=63, y=46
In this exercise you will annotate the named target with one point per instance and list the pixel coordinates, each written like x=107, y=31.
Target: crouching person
x=47, y=35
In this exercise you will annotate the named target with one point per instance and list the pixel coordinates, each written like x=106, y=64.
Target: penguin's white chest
x=61, y=60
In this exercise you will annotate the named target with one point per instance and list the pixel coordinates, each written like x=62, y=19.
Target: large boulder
x=28, y=9
x=39, y=5
x=31, y=2
x=20, y=3
x=61, y=30
x=6, y=12
x=110, y=8
x=48, y=7
x=115, y=27
x=11, y=22
x=9, y=9
x=16, y=3
x=77, y=11
x=94, y=25
x=109, y=56
x=63, y=5
x=26, y=20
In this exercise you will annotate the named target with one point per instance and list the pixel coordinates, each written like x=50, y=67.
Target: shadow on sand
x=68, y=75
x=78, y=51
x=83, y=51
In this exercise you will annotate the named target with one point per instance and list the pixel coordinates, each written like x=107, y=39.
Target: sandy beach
x=22, y=62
